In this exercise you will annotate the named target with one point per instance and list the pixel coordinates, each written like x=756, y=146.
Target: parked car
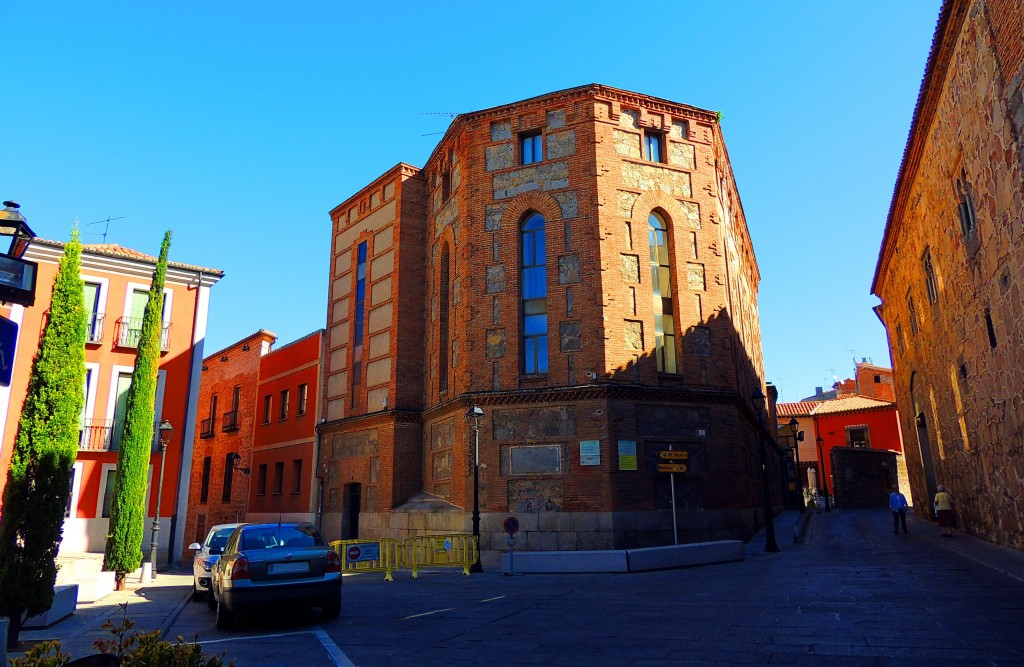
x=275, y=564
x=207, y=555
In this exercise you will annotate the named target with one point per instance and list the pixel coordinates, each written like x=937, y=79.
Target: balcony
x=129, y=331
x=104, y=435
x=230, y=421
x=99, y=435
x=94, y=330
x=206, y=427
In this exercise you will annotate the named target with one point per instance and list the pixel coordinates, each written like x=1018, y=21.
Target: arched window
x=442, y=339
x=661, y=291
x=533, y=294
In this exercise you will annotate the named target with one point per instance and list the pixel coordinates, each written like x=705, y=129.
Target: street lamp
x=17, y=276
x=794, y=426
x=474, y=414
x=821, y=474
x=757, y=397
x=165, y=430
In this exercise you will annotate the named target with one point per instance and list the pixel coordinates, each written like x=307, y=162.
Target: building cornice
x=180, y=274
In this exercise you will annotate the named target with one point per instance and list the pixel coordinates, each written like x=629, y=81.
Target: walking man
x=898, y=505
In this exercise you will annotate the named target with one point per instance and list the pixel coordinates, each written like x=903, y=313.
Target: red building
x=117, y=282
x=855, y=421
x=283, y=468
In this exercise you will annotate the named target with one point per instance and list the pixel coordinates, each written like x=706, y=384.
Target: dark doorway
x=350, y=512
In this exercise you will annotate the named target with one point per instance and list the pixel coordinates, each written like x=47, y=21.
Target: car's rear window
x=270, y=537
x=220, y=538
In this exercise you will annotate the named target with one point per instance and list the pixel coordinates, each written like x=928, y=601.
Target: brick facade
x=442, y=315
x=227, y=418
x=950, y=266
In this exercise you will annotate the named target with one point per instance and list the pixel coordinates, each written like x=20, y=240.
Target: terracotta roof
x=850, y=404
x=121, y=252
x=801, y=409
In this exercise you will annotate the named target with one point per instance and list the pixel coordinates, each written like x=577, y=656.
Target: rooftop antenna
x=106, y=226
x=450, y=114
x=854, y=353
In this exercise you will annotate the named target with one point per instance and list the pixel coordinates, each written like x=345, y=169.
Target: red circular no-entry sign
x=353, y=552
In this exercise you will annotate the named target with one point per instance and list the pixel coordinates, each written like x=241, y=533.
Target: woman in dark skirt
x=944, y=511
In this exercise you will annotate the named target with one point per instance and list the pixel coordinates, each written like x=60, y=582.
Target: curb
x=173, y=616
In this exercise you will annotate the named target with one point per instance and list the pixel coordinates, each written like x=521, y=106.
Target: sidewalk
x=153, y=606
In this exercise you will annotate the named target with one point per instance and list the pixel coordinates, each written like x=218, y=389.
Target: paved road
x=855, y=594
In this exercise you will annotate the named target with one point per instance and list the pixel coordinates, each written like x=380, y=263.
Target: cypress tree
x=39, y=478
x=123, y=553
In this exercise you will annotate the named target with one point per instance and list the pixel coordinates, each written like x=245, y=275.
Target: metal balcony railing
x=94, y=331
x=99, y=435
x=129, y=331
x=230, y=421
x=104, y=435
x=206, y=427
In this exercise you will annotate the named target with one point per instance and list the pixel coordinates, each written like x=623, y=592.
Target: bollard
x=147, y=574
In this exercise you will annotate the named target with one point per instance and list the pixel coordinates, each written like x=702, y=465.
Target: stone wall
x=952, y=299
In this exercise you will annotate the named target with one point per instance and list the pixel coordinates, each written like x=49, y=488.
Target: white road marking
x=436, y=611
x=493, y=599
x=337, y=655
x=248, y=637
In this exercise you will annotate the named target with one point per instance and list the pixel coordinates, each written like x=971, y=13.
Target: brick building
x=116, y=283
x=219, y=493
x=254, y=452
x=950, y=266
x=578, y=265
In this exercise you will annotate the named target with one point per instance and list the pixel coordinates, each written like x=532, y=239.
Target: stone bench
x=625, y=560
x=65, y=600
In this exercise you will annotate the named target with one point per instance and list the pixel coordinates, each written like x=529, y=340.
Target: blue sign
x=8, y=341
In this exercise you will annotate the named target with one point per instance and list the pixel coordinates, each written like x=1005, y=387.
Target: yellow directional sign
x=671, y=467
x=670, y=455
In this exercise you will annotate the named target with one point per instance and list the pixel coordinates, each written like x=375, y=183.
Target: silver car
x=207, y=555
x=275, y=564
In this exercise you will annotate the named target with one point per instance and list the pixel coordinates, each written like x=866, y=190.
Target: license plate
x=287, y=568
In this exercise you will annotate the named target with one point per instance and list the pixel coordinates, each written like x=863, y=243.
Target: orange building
x=117, y=282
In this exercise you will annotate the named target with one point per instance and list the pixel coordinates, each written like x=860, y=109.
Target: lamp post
x=770, y=546
x=821, y=474
x=794, y=426
x=17, y=276
x=165, y=430
x=474, y=414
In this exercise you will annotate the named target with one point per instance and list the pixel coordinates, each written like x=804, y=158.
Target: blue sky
x=239, y=125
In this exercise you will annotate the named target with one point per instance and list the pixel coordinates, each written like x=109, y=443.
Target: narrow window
x=533, y=294
x=991, y=329
x=284, y=405
x=278, y=478
x=531, y=147
x=229, y=472
x=965, y=205
x=261, y=480
x=303, y=394
x=108, y=493
x=857, y=436
x=297, y=476
x=654, y=146
x=929, y=277
x=443, y=298
x=358, y=321
x=266, y=408
x=446, y=184
x=913, y=314
x=204, y=490
x=661, y=292
x=94, y=330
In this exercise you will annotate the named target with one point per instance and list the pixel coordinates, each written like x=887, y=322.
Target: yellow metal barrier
x=439, y=551
x=380, y=555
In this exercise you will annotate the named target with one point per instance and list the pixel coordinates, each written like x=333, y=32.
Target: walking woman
x=944, y=511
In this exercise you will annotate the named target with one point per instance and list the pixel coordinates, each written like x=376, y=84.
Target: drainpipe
x=188, y=432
